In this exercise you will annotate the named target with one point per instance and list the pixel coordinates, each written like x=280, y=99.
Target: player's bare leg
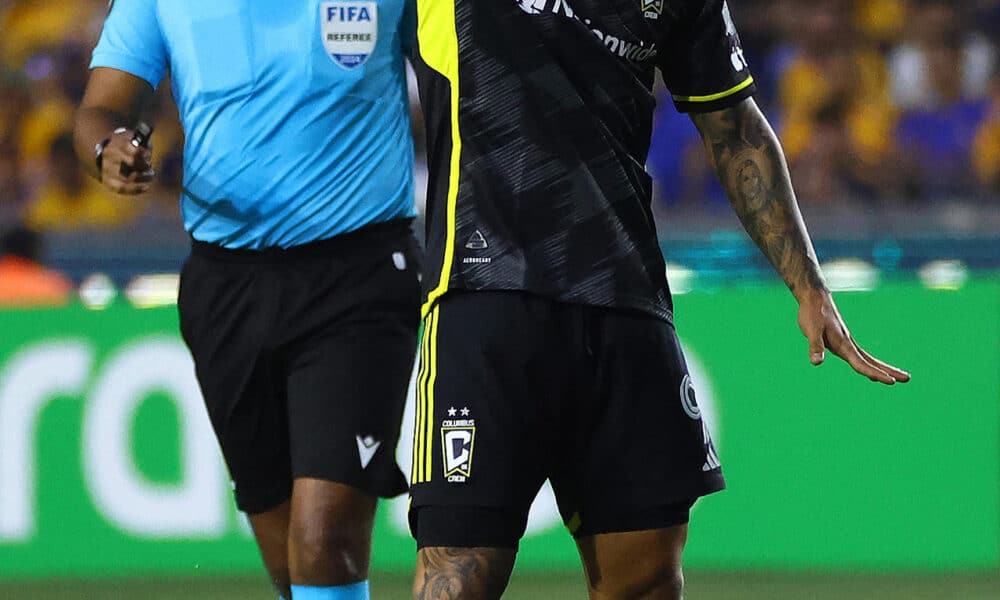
x=330, y=533
x=462, y=573
x=271, y=530
x=322, y=537
x=637, y=565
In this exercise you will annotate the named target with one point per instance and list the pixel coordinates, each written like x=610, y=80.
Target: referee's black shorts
x=515, y=389
x=304, y=356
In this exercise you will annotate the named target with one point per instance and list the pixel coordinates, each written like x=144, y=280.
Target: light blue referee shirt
x=295, y=111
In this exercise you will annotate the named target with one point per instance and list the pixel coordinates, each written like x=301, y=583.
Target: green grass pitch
x=550, y=586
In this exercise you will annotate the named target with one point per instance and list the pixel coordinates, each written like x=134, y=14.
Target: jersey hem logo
x=477, y=241
x=350, y=31
x=367, y=447
x=458, y=439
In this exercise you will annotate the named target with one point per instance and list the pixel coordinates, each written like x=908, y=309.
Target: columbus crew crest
x=458, y=439
x=652, y=9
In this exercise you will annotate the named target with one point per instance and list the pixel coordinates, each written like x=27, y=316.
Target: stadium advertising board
x=108, y=465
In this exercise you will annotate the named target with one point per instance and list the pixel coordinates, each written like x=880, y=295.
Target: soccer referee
x=549, y=347
x=300, y=299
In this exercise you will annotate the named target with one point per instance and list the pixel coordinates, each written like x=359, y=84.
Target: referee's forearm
x=94, y=124
x=751, y=165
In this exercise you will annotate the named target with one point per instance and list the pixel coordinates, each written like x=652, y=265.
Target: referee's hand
x=137, y=173
x=823, y=326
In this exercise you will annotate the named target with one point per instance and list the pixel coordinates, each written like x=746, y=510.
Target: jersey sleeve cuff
x=143, y=69
x=719, y=101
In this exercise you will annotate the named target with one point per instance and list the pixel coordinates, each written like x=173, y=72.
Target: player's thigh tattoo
x=462, y=573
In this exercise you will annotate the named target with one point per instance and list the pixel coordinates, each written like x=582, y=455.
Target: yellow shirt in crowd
x=55, y=210
x=986, y=151
x=870, y=116
x=29, y=25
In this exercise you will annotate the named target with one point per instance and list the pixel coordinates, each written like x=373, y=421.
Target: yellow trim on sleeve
x=712, y=97
x=438, y=42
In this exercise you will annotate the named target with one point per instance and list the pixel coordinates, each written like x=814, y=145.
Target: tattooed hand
x=749, y=162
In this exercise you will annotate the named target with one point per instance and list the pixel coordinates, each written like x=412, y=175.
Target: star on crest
x=452, y=412
x=465, y=411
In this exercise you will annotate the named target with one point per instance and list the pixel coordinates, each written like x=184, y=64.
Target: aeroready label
x=350, y=31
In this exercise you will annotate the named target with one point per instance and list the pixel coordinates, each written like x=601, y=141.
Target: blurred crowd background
x=876, y=101
x=884, y=107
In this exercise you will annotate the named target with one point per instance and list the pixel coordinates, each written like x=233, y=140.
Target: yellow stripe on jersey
x=419, y=443
x=438, y=42
x=710, y=98
x=431, y=380
x=419, y=406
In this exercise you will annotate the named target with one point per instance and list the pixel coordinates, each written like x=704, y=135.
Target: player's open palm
x=823, y=326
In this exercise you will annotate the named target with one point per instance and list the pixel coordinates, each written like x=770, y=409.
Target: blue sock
x=355, y=591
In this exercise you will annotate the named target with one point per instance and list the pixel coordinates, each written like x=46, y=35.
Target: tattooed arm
x=462, y=573
x=750, y=163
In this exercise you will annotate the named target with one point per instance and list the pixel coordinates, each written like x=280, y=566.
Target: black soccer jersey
x=539, y=116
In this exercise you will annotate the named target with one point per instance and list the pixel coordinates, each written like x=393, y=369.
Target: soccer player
x=300, y=301
x=549, y=347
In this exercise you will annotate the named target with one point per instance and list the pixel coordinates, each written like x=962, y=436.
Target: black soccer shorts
x=515, y=388
x=304, y=356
